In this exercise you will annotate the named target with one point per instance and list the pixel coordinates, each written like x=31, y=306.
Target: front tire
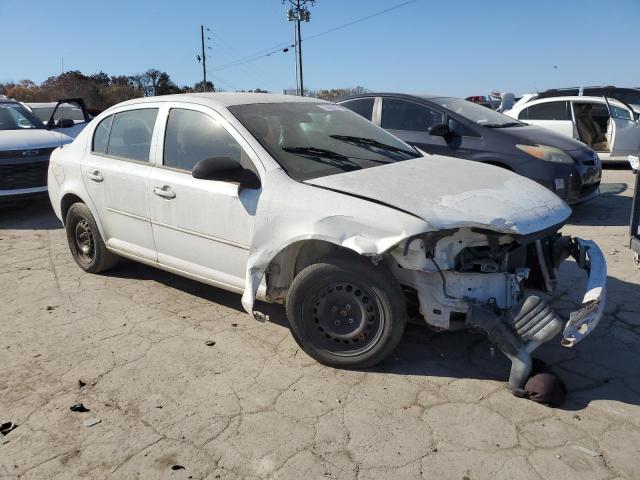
x=85, y=242
x=345, y=313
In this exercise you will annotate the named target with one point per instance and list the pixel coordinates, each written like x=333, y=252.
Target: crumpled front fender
x=361, y=226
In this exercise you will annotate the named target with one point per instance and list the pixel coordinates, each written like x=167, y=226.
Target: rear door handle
x=95, y=176
x=164, y=192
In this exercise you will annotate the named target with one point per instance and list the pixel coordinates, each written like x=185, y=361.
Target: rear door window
x=361, y=106
x=404, y=115
x=131, y=133
x=546, y=111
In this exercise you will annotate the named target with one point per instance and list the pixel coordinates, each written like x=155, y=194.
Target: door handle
x=95, y=176
x=164, y=192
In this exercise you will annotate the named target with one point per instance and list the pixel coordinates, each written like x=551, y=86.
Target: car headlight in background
x=545, y=152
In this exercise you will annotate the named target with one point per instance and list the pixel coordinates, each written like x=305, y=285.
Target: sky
x=452, y=47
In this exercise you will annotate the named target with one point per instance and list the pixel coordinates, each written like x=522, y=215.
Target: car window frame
x=123, y=109
x=468, y=124
x=259, y=168
x=546, y=101
x=382, y=100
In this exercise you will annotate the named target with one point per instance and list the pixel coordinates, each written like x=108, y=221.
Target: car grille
x=25, y=168
x=23, y=175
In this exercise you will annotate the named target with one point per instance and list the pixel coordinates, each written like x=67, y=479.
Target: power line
x=227, y=52
x=285, y=46
x=340, y=27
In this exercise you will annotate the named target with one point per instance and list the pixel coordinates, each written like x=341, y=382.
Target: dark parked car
x=458, y=128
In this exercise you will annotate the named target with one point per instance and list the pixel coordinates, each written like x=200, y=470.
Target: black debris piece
x=177, y=467
x=6, y=427
x=209, y=343
x=81, y=383
x=78, y=407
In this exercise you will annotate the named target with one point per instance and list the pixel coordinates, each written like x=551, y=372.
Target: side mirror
x=225, y=169
x=439, y=130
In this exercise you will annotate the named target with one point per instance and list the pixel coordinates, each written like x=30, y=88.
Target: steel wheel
x=84, y=240
x=348, y=318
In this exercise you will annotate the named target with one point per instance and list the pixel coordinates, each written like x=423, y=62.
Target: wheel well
x=66, y=202
x=499, y=164
x=296, y=257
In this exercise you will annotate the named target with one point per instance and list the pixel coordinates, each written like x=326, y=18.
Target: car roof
x=588, y=87
x=425, y=96
x=224, y=99
x=569, y=98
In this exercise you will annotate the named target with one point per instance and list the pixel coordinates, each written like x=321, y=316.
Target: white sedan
x=303, y=202
x=608, y=126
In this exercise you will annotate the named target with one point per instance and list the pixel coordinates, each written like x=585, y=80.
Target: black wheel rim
x=343, y=317
x=84, y=241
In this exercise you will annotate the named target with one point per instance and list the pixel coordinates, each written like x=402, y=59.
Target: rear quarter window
x=101, y=136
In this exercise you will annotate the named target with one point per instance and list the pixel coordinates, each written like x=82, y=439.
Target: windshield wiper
x=316, y=152
x=503, y=125
x=373, y=143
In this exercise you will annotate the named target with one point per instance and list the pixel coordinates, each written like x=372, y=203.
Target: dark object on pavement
x=209, y=343
x=81, y=383
x=6, y=427
x=544, y=386
x=178, y=467
x=78, y=407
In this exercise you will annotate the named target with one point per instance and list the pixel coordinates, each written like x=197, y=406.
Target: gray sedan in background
x=459, y=128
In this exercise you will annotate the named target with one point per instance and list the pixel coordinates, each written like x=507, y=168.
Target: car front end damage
x=487, y=281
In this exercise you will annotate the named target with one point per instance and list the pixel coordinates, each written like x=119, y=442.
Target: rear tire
x=345, y=313
x=85, y=242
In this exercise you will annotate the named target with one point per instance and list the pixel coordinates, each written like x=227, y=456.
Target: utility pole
x=204, y=60
x=298, y=12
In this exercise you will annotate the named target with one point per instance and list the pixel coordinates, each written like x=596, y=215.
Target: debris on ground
x=586, y=450
x=78, y=407
x=6, y=427
x=178, y=467
x=81, y=383
x=234, y=324
x=91, y=422
x=210, y=343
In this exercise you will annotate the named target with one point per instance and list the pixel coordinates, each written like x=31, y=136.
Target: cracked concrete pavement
x=186, y=385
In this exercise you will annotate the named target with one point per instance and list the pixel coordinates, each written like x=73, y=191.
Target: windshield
x=311, y=140
x=65, y=110
x=476, y=113
x=14, y=116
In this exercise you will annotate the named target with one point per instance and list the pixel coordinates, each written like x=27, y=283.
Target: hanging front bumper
x=582, y=322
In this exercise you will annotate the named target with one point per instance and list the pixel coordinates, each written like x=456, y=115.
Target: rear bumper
x=18, y=194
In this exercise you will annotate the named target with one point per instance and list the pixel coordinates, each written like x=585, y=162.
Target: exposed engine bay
x=475, y=278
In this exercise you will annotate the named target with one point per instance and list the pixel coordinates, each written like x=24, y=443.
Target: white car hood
x=31, y=138
x=452, y=193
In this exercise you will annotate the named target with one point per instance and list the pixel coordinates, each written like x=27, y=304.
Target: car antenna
x=63, y=96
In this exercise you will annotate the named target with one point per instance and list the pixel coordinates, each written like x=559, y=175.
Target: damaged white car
x=303, y=202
